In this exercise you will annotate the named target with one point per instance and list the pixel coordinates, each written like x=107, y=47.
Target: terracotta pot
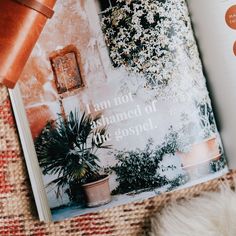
x=98, y=192
x=196, y=161
x=200, y=153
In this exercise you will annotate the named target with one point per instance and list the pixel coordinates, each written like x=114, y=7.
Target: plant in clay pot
x=200, y=157
x=67, y=148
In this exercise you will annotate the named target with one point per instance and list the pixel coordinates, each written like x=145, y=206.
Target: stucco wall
x=77, y=22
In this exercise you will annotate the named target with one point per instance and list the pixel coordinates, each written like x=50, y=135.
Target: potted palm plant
x=66, y=148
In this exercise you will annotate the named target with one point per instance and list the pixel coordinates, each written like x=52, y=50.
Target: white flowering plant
x=143, y=36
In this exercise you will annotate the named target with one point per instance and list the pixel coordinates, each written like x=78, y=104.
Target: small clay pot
x=98, y=192
x=200, y=153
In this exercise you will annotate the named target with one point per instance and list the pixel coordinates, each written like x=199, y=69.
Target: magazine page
x=214, y=24
x=117, y=105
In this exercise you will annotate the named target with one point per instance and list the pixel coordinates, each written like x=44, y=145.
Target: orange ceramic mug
x=21, y=22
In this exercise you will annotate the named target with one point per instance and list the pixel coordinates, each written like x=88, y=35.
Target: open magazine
x=112, y=106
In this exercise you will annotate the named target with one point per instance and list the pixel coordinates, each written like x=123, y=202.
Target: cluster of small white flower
x=144, y=36
x=153, y=40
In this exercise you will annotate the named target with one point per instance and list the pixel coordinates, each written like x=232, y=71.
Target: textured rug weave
x=18, y=215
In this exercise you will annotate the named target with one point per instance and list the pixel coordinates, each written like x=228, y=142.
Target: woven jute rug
x=18, y=215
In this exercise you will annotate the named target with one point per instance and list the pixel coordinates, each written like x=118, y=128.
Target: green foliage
x=138, y=169
x=219, y=164
x=66, y=148
x=179, y=180
x=207, y=120
x=75, y=193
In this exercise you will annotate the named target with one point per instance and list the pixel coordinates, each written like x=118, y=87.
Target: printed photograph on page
x=118, y=106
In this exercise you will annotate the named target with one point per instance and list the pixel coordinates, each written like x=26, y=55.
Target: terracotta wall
x=37, y=82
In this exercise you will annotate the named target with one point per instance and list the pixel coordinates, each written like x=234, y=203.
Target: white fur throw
x=212, y=214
